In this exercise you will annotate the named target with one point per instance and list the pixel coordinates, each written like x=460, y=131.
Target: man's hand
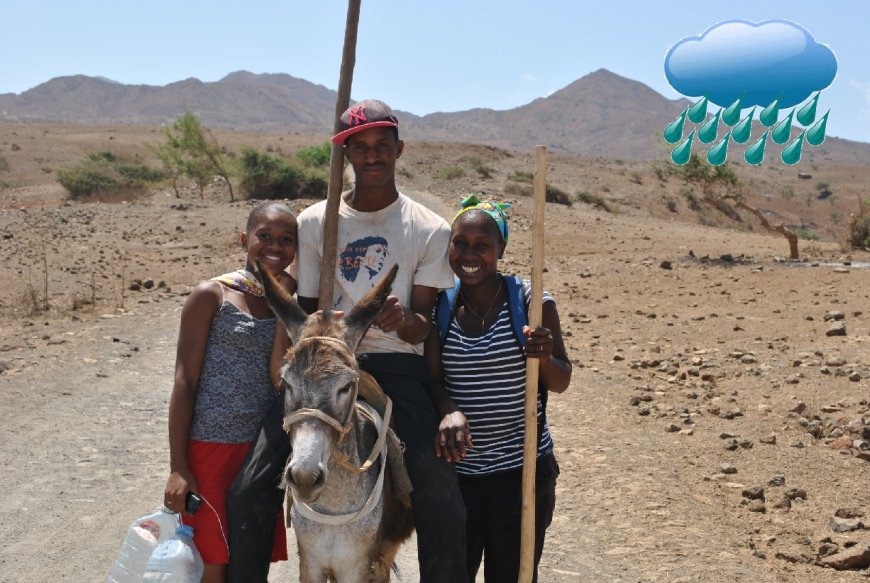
x=392, y=316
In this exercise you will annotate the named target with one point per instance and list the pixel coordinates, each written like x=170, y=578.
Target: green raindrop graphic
x=707, y=132
x=768, y=115
x=781, y=133
x=791, y=154
x=740, y=133
x=681, y=154
x=755, y=153
x=807, y=113
x=718, y=153
x=816, y=134
x=698, y=112
x=732, y=113
x=674, y=131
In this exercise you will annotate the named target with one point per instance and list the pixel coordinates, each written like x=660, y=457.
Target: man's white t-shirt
x=369, y=244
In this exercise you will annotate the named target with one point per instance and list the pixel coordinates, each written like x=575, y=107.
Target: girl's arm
x=196, y=317
x=545, y=343
x=453, y=438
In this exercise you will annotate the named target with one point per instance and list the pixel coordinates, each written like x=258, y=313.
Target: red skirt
x=215, y=466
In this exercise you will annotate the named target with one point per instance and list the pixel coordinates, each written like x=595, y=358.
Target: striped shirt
x=485, y=375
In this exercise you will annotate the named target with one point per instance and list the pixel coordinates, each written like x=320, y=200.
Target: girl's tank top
x=234, y=392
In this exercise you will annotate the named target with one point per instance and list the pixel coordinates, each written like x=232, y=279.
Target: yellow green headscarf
x=496, y=210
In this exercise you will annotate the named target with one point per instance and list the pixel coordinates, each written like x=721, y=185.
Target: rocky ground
x=717, y=427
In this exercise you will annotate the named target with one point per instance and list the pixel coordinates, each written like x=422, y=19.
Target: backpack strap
x=445, y=307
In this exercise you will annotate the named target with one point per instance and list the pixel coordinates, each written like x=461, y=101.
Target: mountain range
x=600, y=114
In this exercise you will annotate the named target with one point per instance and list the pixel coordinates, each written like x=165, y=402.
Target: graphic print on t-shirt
x=362, y=261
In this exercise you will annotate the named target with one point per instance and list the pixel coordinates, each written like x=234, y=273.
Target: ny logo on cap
x=357, y=115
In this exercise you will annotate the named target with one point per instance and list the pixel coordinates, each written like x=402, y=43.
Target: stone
x=769, y=440
x=799, y=408
x=849, y=513
x=793, y=493
x=835, y=361
x=757, y=506
x=828, y=548
x=148, y=283
x=857, y=557
x=836, y=330
x=672, y=428
x=778, y=480
x=783, y=504
x=727, y=469
x=753, y=493
x=855, y=377
x=666, y=265
x=845, y=524
x=834, y=315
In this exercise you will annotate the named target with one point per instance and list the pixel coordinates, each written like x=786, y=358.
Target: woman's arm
x=545, y=343
x=196, y=317
x=453, y=438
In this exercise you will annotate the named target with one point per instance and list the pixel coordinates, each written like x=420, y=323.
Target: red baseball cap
x=366, y=114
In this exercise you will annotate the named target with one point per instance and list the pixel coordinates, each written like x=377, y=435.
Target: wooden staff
x=530, y=444
x=336, y=161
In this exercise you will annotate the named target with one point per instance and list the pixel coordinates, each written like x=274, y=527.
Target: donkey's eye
x=345, y=389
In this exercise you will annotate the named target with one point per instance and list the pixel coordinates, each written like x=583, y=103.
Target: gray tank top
x=234, y=392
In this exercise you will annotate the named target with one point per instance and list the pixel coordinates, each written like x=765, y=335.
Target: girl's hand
x=539, y=343
x=177, y=487
x=454, y=438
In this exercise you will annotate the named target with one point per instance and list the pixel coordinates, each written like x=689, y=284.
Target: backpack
x=445, y=307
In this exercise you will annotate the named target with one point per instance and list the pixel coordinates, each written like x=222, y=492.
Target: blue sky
x=418, y=56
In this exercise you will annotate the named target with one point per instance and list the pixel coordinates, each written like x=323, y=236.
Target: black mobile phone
x=192, y=502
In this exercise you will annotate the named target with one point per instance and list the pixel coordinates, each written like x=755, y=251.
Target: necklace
x=486, y=313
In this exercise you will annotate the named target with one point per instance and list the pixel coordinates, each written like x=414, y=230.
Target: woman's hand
x=177, y=487
x=454, y=438
x=539, y=343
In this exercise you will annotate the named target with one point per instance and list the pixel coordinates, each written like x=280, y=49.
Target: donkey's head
x=320, y=376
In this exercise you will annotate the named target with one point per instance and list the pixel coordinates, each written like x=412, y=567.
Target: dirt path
x=681, y=375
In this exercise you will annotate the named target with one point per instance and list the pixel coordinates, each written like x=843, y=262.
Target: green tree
x=192, y=152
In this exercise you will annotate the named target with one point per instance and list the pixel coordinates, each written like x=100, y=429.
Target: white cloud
x=530, y=78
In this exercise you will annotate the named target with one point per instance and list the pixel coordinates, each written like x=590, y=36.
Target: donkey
x=348, y=520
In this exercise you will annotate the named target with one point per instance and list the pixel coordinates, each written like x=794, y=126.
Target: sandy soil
x=694, y=382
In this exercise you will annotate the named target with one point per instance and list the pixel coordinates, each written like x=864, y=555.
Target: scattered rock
x=849, y=513
x=769, y=440
x=834, y=315
x=857, y=557
x=666, y=265
x=753, y=493
x=783, y=504
x=778, y=480
x=828, y=548
x=794, y=493
x=845, y=524
x=836, y=330
x=727, y=469
x=855, y=377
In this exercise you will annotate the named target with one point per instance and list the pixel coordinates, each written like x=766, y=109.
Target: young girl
x=222, y=387
x=479, y=357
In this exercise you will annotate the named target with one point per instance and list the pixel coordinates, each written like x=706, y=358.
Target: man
x=378, y=227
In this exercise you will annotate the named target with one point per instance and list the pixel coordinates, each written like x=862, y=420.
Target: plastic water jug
x=143, y=536
x=175, y=560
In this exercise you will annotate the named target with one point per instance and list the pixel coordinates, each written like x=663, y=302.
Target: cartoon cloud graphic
x=760, y=62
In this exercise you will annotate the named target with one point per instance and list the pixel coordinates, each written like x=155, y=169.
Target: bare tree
x=720, y=184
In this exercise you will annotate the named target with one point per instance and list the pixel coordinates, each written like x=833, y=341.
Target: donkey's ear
x=284, y=307
x=367, y=309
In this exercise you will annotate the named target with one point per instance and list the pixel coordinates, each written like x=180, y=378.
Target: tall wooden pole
x=530, y=444
x=336, y=162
